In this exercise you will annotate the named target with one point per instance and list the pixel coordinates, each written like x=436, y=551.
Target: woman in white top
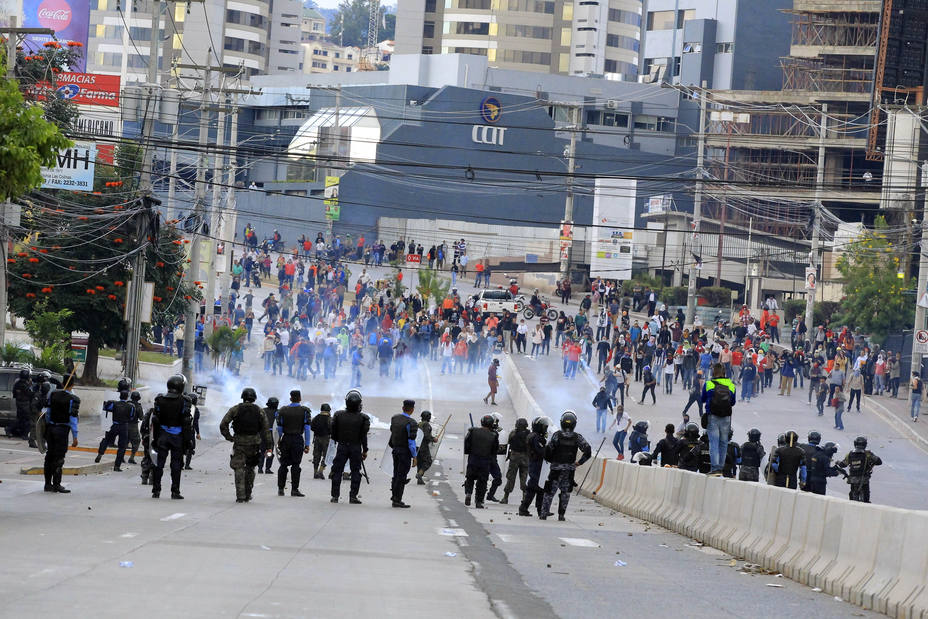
x=538, y=337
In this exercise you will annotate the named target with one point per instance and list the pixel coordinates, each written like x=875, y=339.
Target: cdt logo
x=484, y=134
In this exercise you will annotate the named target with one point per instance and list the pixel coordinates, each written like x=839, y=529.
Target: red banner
x=416, y=258
x=89, y=88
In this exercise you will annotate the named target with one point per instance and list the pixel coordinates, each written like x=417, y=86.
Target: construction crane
x=373, y=29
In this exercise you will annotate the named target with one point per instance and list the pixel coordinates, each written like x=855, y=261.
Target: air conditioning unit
x=612, y=104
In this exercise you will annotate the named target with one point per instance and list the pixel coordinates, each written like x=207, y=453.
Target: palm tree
x=432, y=285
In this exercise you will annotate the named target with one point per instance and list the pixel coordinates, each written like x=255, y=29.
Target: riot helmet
x=641, y=426
x=860, y=442
x=353, y=400
x=754, y=435
x=426, y=415
x=692, y=431
x=249, y=395
x=272, y=403
x=831, y=448
x=791, y=438
x=487, y=421
x=540, y=425
x=135, y=396
x=568, y=421
x=496, y=419
x=176, y=384
x=124, y=384
x=521, y=423
x=781, y=440
x=24, y=373
x=814, y=438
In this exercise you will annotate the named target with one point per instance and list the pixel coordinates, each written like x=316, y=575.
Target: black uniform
x=536, y=456
x=818, y=470
x=518, y=461
x=481, y=446
x=808, y=450
x=271, y=415
x=293, y=425
x=704, y=459
x=732, y=460
x=123, y=414
x=561, y=452
x=751, y=456
x=349, y=431
x=859, y=464
x=689, y=452
x=322, y=434
x=63, y=409
x=172, y=433
x=23, y=391
x=251, y=429
x=145, y=430
x=403, y=429
x=789, y=465
x=135, y=438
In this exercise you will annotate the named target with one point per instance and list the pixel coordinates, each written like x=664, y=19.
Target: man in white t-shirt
x=622, y=422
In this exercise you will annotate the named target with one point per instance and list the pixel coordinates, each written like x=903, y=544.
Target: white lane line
x=507, y=538
x=452, y=532
x=130, y=534
x=173, y=516
x=579, y=541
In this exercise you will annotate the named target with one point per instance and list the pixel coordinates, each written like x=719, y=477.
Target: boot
x=560, y=517
x=354, y=500
x=117, y=468
x=524, y=511
x=467, y=499
x=419, y=480
x=131, y=460
x=187, y=462
x=505, y=499
x=98, y=458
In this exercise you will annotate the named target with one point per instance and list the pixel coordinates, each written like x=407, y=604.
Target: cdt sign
x=491, y=110
x=73, y=169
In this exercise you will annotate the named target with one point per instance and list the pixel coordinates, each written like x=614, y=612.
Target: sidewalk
x=895, y=412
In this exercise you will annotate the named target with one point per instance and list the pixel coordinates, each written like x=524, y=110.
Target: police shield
x=40, y=427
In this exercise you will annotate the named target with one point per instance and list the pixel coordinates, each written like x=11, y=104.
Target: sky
x=333, y=4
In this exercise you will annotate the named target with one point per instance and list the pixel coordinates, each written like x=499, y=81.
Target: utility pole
x=193, y=271
x=137, y=287
x=569, y=200
x=334, y=170
x=697, y=203
x=816, y=225
x=922, y=276
x=6, y=208
x=215, y=215
x=228, y=220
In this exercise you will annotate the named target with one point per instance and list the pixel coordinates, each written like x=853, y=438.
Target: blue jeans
x=747, y=390
x=600, y=420
x=839, y=410
x=916, y=406
x=718, y=440
x=618, y=441
x=446, y=363
x=572, y=369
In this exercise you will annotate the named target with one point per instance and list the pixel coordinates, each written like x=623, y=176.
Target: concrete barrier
x=871, y=555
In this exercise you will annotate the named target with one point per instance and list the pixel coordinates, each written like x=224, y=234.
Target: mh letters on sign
x=485, y=134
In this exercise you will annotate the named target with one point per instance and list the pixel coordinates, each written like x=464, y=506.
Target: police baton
x=364, y=470
x=603, y=442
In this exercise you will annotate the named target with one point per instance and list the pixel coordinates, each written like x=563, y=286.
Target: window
x=625, y=17
x=537, y=6
x=529, y=32
x=692, y=48
x=523, y=57
x=338, y=54
x=622, y=41
x=235, y=45
x=684, y=16
x=615, y=66
x=473, y=51
x=428, y=30
x=347, y=69
x=472, y=28
x=483, y=5
x=289, y=114
x=568, y=12
x=429, y=6
x=319, y=65
x=563, y=63
x=335, y=67
x=661, y=20
x=565, y=37
x=724, y=48
x=611, y=119
x=267, y=114
x=256, y=48
x=646, y=123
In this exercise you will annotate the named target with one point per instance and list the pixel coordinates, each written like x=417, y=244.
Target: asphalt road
x=108, y=549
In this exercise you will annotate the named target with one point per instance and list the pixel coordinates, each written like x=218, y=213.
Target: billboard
x=89, y=88
x=73, y=169
x=613, y=228
x=69, y=19
x=330, y=198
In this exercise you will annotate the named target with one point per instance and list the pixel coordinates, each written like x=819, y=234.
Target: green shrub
x=715, y=296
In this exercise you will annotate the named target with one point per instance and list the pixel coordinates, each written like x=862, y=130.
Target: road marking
x=507, y=538
x=452, y=532
x=173, y=516
x=579, y=541
x=129, y=535
x=453, y=523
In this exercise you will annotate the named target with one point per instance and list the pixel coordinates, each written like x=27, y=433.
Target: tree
x=431, y=286
x=351, y=22
x=875, y=300
x=27, y=142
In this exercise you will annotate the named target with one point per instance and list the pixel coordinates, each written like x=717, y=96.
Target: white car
x=496, y=301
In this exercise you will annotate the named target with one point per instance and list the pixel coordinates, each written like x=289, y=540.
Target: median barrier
x=871, y=555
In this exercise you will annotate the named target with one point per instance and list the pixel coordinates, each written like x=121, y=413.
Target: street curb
x=887, y=416
x=87, y=469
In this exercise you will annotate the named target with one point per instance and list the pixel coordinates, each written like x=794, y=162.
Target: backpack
x=721, y=400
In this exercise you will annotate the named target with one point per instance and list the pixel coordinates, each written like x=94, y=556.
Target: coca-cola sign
x=69, y=19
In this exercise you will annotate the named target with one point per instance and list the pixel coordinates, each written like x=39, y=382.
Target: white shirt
x=621, y=421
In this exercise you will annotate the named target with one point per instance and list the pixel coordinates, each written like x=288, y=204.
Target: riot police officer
x=481, y=446
x=535, y=452
x=171, y=433
x=251, y=431
x=561, y=452
x=123, y=414
x=135, y=439
x=294, y=435
x=769, y=474
x=859, y=467
x=788, y=463
x=819, y=468
x=752, y=453
x=495, y=472
x=809, y=450
x=23, y=391
x=690, y=448
x=403, y=429
x=145, y=431
x=349, y=430
x=38, y=404
x=61, y=419
x=518, y=458
x=322, y=436
x=270, y=413
x=732, y=457
x=424, y=453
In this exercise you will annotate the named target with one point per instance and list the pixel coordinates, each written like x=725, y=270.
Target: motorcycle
x=545, y=310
